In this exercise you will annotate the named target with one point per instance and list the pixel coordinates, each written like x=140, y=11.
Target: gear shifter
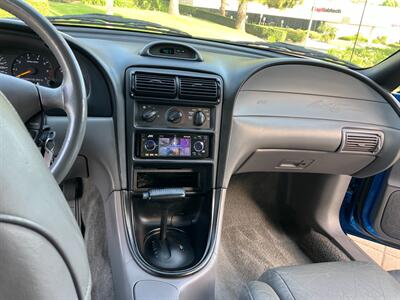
x=167, y=247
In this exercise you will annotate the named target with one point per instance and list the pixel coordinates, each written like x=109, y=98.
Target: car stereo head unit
x=189, y=146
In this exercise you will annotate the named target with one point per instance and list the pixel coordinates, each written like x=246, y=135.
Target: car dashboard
x=166, y=111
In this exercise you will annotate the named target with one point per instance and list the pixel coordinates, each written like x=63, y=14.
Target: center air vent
x=362, y=141
x=179, y=87
x=199, y=88
x=154, y=85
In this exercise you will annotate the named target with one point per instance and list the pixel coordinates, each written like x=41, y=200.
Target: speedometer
x=33, y=67
x=3, y=64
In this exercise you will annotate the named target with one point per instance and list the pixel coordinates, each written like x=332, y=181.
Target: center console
x=173, y=119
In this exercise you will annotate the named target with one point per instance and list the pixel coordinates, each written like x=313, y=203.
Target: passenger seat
x=334, y=280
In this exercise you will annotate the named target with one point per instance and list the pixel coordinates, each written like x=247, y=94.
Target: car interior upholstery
x=218, y=173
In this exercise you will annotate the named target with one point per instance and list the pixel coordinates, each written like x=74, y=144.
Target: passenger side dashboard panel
x=292, y=117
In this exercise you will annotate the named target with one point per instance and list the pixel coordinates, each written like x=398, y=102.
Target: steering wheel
x=29, y=99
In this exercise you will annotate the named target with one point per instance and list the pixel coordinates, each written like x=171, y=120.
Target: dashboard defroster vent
x=362, y=141
x=206, y=89
x=154, y=85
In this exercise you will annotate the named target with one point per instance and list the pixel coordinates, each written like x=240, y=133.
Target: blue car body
x=357, y=220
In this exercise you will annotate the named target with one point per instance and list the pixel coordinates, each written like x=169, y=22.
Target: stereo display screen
x=174, y=146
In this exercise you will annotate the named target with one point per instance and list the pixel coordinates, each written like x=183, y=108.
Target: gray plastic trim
x=308, y=79
x=284, y=107
x=152, y=289
x=99, y=148
x=319, y=208
x=314, y=106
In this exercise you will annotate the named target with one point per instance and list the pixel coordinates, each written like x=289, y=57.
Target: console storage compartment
x=191, y=180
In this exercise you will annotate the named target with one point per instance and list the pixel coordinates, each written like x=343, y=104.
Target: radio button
x=198, y=146
x=150, y=145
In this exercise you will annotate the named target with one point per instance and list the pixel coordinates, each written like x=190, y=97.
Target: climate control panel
x=156, y=115
x=173, y=145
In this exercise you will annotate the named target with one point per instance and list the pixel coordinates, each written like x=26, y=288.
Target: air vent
x=199, y=89
x=368, y=142
x=154, y=85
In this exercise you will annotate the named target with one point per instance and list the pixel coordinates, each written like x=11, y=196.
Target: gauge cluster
x=35, y=67
x=24, y=55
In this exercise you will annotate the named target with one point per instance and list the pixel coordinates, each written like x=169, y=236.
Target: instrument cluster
x=35, y=67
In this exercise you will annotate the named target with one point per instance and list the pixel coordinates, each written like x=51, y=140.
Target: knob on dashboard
x=199, y=118
x=149, y=115
x=150, y=145
x=174, y=116
x=198, y=146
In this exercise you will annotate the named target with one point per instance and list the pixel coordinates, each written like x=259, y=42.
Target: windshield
x=361, y=33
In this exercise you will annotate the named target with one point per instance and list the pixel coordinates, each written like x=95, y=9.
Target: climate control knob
x=150, y=145
x=199, y=118
x=149, y=115
x=198, y=146
x=174, y=116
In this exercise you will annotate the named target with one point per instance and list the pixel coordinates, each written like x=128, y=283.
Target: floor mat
x=251, y=242
x=93, y=217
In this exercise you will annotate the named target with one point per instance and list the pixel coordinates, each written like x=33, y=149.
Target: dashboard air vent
x=205, y=89
x=368, y=142
x=154, y=85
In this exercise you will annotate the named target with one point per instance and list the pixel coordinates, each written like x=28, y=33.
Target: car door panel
x=371, y=208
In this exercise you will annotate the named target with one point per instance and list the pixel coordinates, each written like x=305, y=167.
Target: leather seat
x=336, y=280
x=42, y=252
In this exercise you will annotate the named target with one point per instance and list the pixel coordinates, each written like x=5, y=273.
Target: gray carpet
x=252, y=239
x=93, y=217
